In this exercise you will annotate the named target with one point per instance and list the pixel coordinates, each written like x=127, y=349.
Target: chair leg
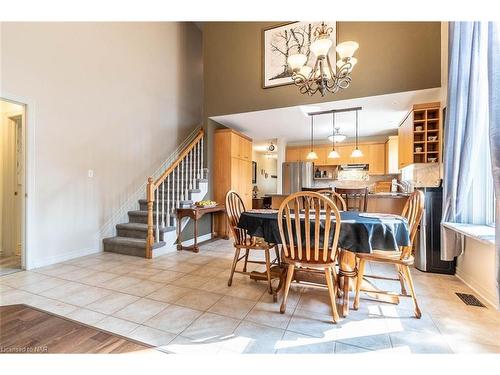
x=406, y=271
x=345, y=305
x=233, y=267
x=401, y=278
x=359, y=282
x=277, y=251
x=246, y=260
x=289, y=276
x=332, y=292
x=268, y=270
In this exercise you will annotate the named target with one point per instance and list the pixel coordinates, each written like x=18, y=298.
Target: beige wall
x=392, y=57
x=476, y=267
x=116, y=98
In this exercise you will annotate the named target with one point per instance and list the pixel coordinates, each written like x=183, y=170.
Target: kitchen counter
x=388, y=195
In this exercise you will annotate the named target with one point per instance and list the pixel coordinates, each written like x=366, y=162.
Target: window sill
x=482, y=233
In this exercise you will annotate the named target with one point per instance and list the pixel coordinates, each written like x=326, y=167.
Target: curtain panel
x=465, y=127
x=494, y=114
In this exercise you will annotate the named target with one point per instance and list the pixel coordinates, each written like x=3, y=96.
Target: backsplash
x=370, y=182
x=422, y=174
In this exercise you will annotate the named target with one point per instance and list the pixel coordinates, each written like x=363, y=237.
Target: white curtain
x=466, y=130
x=494, y=113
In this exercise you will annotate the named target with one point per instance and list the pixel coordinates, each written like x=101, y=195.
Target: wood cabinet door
x=245, y=147
x=405, y=140
x=235, y=145
x=245, y=182
x=391, y=155
x=303, y=151
x=321, y=152
x=292, y=154
x=376, y=158
x=344, y=153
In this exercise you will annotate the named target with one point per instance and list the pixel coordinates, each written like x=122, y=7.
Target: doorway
x=12, y=186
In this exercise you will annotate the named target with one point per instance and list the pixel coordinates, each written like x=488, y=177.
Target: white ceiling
x=380, y=116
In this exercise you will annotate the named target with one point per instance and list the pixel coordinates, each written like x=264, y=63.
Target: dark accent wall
x=392, y=57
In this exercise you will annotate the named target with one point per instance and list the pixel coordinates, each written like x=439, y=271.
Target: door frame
x=28, y=180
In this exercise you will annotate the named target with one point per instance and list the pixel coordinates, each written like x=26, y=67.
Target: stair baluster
x=184, y=171
x=168, y=200
x=201, y=164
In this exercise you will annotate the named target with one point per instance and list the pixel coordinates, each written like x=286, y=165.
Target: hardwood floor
x=24, y=329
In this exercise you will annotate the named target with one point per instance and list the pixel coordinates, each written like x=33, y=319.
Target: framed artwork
x=281, y=41
x=254, y=172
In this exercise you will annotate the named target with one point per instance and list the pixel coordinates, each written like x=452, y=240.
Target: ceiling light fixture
x=337, y=136
x=333, y=154
x=322, y=76
x=312, y=155
x=356, y=153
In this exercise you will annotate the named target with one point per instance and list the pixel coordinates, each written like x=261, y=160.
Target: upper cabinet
x=420, y=135
x=391, y=155
x=373, y=154
x=241, y=146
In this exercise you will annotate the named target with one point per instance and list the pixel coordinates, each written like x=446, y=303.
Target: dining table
x=360, y=232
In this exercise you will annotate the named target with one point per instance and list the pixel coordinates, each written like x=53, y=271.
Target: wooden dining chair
x=335, y=197
x=402, y=259
x=356, y=199
x=309, y=240
x=242, y=240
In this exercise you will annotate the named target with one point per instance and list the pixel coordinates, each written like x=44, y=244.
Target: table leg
x=195, y=247
x=347, y=269
x=179, y=239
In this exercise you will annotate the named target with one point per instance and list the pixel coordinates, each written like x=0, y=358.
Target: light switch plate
x=90, y=173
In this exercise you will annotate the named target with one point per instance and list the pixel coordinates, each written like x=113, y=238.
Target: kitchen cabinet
x=391, y=155
x=376, y=158
x=232, y=170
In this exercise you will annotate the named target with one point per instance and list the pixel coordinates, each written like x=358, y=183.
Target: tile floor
x=181, y=303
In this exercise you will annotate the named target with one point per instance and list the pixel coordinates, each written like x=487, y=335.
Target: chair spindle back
x=234, y=208
x=313, y=220
x=413, y=211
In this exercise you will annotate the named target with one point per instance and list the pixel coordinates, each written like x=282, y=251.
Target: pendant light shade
x=312, y=155
x=356, y=153
x=333, y=154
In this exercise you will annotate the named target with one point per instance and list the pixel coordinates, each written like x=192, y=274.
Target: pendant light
x=356, y=153
x=333, y=154
x=312, y=155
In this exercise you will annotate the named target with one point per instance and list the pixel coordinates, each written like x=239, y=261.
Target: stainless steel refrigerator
x=297, y=175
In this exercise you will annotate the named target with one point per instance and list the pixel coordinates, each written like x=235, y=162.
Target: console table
x=195, y=213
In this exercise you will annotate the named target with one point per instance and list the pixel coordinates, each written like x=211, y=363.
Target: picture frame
x=281, y=40
x=254, y=172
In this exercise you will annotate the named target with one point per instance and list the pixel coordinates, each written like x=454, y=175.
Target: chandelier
x=337, y=136
x=322, y=76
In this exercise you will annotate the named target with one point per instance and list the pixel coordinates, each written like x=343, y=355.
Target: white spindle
x=201, y=164
x=191, y=169
x=163, y=204
x=182, y=180
x=168, y=200
x=186, y=177
x=157, y=225
x=198, y=160
x=178, y=190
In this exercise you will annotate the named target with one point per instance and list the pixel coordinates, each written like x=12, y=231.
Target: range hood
x=353, y=167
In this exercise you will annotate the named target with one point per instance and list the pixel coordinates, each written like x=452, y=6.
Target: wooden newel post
x=150, y=200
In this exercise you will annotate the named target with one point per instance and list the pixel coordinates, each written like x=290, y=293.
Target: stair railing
x=178, y=179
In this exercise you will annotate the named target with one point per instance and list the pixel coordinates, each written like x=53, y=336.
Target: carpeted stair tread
x=141, y=227
x=131, y=242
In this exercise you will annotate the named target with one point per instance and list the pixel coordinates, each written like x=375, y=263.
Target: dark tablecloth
x=357, y=233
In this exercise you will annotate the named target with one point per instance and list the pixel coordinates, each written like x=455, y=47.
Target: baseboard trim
x=62, y=258
x=171, y=249
x=487, y=297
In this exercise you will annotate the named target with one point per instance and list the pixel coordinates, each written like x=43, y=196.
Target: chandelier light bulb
x=321, y=46
x=352, y=60
x=346, y=49
x=296, y=61
x=305, y=71
x=356, y=153
x=333, y=155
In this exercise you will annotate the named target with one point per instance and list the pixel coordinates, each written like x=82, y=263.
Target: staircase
x=152, y=229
